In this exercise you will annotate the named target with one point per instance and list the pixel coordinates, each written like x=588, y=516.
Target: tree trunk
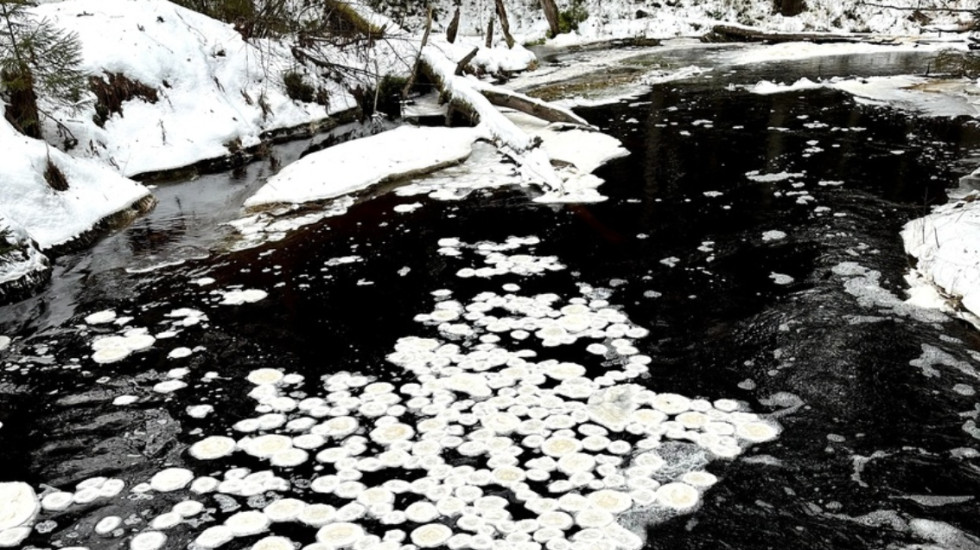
x=789, y=8
x=490, y=33
x=415, y=69
x=453, y=27
x=503, y=97
x=551, y=14
x=461, y=66
x=22, y=111
x=725, y=33
x=504, y=25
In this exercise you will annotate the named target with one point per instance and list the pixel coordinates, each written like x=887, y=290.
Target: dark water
x=864, y=458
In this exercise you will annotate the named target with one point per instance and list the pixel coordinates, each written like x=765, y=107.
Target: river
x=748, y=252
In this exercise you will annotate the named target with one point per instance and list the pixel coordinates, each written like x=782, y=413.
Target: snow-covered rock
x=946, y=245
x=22, y=266
x=360, y=163
x=216, y=93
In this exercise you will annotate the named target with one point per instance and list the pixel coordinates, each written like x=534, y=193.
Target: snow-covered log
x=533, y=106
x=465, y=93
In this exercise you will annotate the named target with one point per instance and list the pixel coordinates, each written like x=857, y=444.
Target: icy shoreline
x=201, y=70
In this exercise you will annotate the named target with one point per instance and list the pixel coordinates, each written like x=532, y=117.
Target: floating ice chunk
x=188, y=508
x=406, y=208
x=421, y=512
x=101, y=317
x=431, y=535
x=285, y=510
x=169, y=386
x=18, y=504
x=473, y=384
x=289, y=458
x=678, y=496
x=264, y=446
x=107, y=525
x=392, y=433
x=166, y=521
x=773, y=235
x=4, y=342
x=171, y=479
x=124, y=400
x=57, y=501
x=781, y=278
x=199, y=411
x=204, y=485
x=756, y=432
x=317, y=515
x=244, y=524
x=593, y=518
x=179, y=353
x=772, y=178
x=214, y=536
x=273, y=543
x=239, y=297
x=340, y=534
x=111, y=354
x=111, y=488
x=699, y=478
x=10, y=538
x=213, y=447
x=265, y=376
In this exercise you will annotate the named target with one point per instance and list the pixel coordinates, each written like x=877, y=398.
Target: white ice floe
x=239, y=297
x=360, y=163
x=19, y=505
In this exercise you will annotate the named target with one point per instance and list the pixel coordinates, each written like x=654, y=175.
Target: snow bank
x=946, y=244
x=360, y=163
x=50, y=217
x=215, y=91
x=940, y=98
x=586, y=150
x=925, y=96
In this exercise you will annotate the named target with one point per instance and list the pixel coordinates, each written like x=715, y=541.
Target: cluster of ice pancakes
x=489, y=445
x=514, y=421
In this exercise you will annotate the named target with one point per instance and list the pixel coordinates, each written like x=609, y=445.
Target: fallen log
x=503, y=97
x=728, y=33
x=465, y=96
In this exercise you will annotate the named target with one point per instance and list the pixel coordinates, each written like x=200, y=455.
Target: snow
x=946, y=245
x=921, y=95
x=609, y=19
x=18, y=504
x=49, y=217
x=766, y=87
x=587, y=150
x=360, y=163
x=210, y=84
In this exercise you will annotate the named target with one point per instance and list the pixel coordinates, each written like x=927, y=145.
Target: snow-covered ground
x=50, y=217
x=608, y=19
x=216, y=93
